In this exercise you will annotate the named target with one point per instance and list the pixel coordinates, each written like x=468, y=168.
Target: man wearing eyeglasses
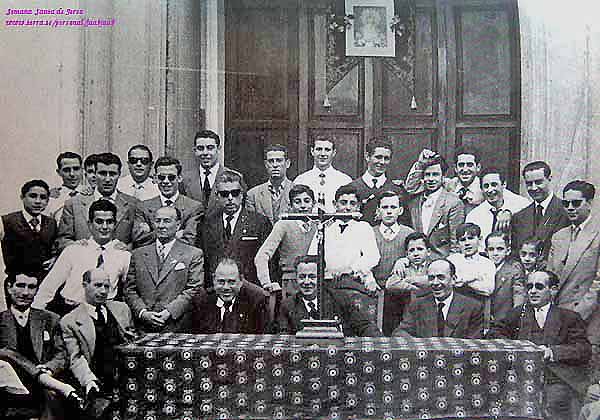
x=560, y=333
x=138, y=183
x=232, y=230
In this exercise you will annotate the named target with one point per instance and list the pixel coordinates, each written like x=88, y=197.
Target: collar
x=583, y=225
x=145, y=183
x=499, y=266
x=221, y=303
x=95, y=245
x=446, y=301
x=395, y=228
x=543, y=309
x=281, y=187
x=167, y=247
x=434, y=196
x=327, y=171
x=20, y=317
x=112, y=197
x=307, y=301
x=236, y=216
x=213, y=170
x=545, y=203
x=28, y=217
x=368, y=178
x=91, y=310
x=173, y=199
x=474, y=186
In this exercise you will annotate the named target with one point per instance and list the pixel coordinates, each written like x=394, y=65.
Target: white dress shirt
x=369, y=179
x=545, y=203
x=75, y=260
x=333, y=180
x=447, y=302
x=541, y=314
x=212, y=176
x=427, y=209
x=55, y=205
x=21, y=317
x=235, y=215
x=476, y=271
x=142, y=191
x=163, y=200
x=91, y=309
x=221, y=306
x=166, y=248
x=389, y=232
x=112, y=198
x=28, y=218
x=307, y=302
x=473, y=194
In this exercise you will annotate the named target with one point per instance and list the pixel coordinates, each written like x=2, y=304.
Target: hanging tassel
x=413, y=103
x=326, y=103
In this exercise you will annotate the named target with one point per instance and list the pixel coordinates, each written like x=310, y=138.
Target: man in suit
x=163, y=277
x=442, y=312
x=336, y=303
x=73, y=224
x=236, y=306
x=139, y=183
x=272, y=197
x=91, y=332
x=233, y=230
x=29, y=236
x=199, y=183
x=560, y=332
x=544, y=216
x=434, y=211
x=575, y=251
x=167, y=175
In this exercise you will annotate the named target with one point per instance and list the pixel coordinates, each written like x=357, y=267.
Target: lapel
x=173, y=258
x=300, y=311
x=212, y=200
x=122, y=206
x=578, y=248
x=151, y=260
x=455, y=314
x=241, y=226
x=415, y=213
x=428, y=318
x=438, y=211
x=85, y=325
x=265, y=199
x=151, y=206
x=550, y=218
x=117, y=313
x=552, y=325
x=23, y=225
x=11, y=330
x=36, y=325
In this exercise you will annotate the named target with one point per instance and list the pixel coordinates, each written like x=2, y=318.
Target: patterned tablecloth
x=187, y=377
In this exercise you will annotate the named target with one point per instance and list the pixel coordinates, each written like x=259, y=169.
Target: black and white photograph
x=370, y=33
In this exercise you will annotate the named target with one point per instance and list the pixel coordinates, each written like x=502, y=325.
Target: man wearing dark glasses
x=139, y=183
x=232, y=230
x=560, y=332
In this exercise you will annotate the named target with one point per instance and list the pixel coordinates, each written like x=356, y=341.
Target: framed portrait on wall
x=370, y=34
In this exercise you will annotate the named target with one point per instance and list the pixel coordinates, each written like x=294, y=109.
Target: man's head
x=231, y=191
x=537, y=176
x=530, y=253
x=418, y=248
x=102, y=219
x=323, y=151
x=493, y=183
x=228, y=279
x=441, y=274
x=35, y=195
x=276, y=162
x=167, y=175
x=167, y=221
x=108, y=170
x=89, y=166
x=467, y=165
x=346, y=199
x=139, y=159
x=96, y=285
x=469, y=236
x=306, y=276
x=378, y=155
x=577, y=200
x=21, y=289
x=206, y=148
x=542, y=287
x=497, y=247
x=302, y=199
x=390, y=207
x=68, y=167
x=433, y=173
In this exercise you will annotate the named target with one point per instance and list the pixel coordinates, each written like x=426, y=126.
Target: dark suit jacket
x=259, y=200
x=170, y=286
x=250, y=232
x=522, y=227
x=563, y=332
x=367, y=196
x=22, y=247
x=509, y=288
x=191, y=186
x=464, y=320
x=250, y=310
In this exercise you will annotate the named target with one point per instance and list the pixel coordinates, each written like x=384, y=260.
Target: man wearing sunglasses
x=232, y=230
x=138, y=183
x=560, y=332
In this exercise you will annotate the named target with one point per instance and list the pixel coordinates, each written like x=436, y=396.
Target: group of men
x=103, y=257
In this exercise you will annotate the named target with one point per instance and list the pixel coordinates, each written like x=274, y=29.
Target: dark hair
x=67, y=155
x=108, y=159
x=498, y=234
x=11, y=278
x=436, y=160
x=415, y=236
x=536, y=243
x=102, y=205
x=450, y=264
x=376, y=142
x=229, y=175
x=207, y=134
x=168, y=161
x=322, y=137
x=388, y=193
x=91, y=160
x=298, y=189
x=34, y=183
x=535, y=165
x=492, y=170
x=466, y=150
x=585, y=188
x=140, y=147
x=552, y=277
x=346, y=189
x=227, y=260
x=468, y=229
x=275, y=148
x=306, y=259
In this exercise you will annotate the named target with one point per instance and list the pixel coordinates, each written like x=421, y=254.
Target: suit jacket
x=22, y=247
x=80, y=337
x=448, y=214
x=464, y=320
x=74, y=221
x=192, y=212
x=563, y=332
x=171, y=286
x=249, y=233
x=258, y=200
x=577, y=267
x=367, y=196
x=509, y=288
x=523, y=228
x=249, y=309
x=46, y=337
x=191, y=186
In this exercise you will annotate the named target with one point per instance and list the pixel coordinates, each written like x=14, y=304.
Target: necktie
x=574, y=232
x=137, y=190
x=161, y=252
x=537, y=216
x=494, y=217
x=73, y=193
x=312, y=310
x=227, y=323
x=168, y=203
x=374, y=183
x=100, y=261
x=101, y=319
x=206, y=187
x=275, y=192
x=440, y=319
x=228, y=229
x=539, y=317
x=322, y=179
x=343, y=227
x=34, y=223
x=388, y=233
x=321, y=198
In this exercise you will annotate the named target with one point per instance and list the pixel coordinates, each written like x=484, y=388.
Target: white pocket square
x=46, y=336
x=179, y=266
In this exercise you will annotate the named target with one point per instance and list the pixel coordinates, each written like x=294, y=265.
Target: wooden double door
x=467, y=87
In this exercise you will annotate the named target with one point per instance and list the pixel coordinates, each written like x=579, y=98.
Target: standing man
x=272, y=198
x=544, y=216
x=163, y=277
x=323, y=179
x=69, y=169
x=138, y=183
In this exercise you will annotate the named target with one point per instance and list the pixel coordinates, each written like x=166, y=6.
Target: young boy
x=509, y=289
x=531, y=256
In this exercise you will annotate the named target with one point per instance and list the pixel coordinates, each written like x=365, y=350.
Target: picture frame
x=370, y=34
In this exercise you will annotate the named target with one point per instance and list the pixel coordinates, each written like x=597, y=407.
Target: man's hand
x=164, y=316
x=54, y=192
x=47, y=265
x=548, y=355
x=44, y=369
x=503, y=220
x=143, y=227
x=152, y=318
x=399, y=268
x=92, y=386
x=272, y=287
x=398, y=284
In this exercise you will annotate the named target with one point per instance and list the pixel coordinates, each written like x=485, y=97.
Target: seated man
x=561, y=333
x=442, y=312
x=236, y=306
x=336, y=303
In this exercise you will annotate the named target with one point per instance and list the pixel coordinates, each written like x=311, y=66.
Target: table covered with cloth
x=230, y=376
